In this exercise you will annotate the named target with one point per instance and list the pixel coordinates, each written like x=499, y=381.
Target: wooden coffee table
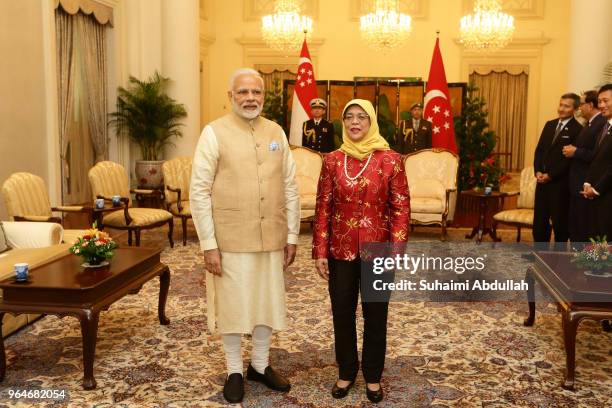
x=64, y=288
x=577, y=296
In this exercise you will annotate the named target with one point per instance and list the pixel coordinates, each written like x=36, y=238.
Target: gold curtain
x=65, y=28
x=271, y=76
x=103, y=14
x=82, y=83
x=92, y=37
x=505, y=92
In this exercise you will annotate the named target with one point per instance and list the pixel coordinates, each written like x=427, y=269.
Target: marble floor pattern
x=439, y=354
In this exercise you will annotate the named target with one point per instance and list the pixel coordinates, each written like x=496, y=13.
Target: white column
x=590, y=43
x=180, y=62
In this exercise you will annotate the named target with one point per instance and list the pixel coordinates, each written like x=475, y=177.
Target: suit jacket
x=373, y=208
x=318, y=137
x=410, y=140
x=584, y=154
x=549, y=154
x=600, y=171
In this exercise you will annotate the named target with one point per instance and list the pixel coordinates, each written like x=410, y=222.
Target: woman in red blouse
x=362, y=197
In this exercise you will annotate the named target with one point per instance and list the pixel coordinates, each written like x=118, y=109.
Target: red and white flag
x=305, y=90
x=437, y=109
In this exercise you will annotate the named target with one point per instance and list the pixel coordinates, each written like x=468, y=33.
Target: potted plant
x=151, y=119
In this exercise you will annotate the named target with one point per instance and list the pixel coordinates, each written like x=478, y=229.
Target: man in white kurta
x=245, y=207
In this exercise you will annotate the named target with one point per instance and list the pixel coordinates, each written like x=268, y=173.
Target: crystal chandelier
x=385, y=27
x=285, y=29
x=488, y=29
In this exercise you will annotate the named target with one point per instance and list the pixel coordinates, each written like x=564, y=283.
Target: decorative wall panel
x=255, y=9
x=520, y=9
x=417, y=9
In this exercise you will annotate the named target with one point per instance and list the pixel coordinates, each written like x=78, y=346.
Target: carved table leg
x=89, y=331
x=530, y=298
x=570, y=324
x=164, y=285
x=2, y=355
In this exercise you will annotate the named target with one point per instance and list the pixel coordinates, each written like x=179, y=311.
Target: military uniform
x=319, y=137
x=411, y=139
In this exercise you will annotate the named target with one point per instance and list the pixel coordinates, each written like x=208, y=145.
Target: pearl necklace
x=360, y=172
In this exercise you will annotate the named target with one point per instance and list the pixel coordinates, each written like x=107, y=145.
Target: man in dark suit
x=317, y=133
x=582, y=154
x=415, y=133
x=598, y=182
x=552, y=170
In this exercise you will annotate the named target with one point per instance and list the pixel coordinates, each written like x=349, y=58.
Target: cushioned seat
x=140, y=217
x=26, y=199
x=427, y=205
x=36, y=243
x=177, y=177
x=308, y=165
x=308, y=204
x=110, y=179
x=522, y=216
x=432, y=182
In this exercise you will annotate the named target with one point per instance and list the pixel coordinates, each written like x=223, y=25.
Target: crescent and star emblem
x=434, y=93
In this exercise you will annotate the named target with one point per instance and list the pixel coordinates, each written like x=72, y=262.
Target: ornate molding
x=257, y=52
x=520, y=47
x=255, y=9
x=205, y=42
x=417, y=9
x=204, y=9
x=520, y=9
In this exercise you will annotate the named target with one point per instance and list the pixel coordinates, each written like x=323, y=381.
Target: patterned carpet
x=439, y=354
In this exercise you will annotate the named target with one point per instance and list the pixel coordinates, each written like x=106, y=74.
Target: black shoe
x=341, y=392
x=606, y=325
x=270, y=378
x=374, y=396
x=233, y=390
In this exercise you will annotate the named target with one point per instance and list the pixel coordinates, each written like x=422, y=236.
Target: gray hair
x=243, y=71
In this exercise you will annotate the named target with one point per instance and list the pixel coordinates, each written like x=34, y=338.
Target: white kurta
x=251, y=289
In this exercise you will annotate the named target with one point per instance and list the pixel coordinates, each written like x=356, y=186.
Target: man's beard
x=246, y=114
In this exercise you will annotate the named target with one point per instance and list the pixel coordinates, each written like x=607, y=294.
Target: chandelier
x=488, y=29
x=285, y=29
x=385, y=27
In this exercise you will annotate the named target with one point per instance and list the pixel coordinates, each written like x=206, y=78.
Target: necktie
x=557, y=131
x=603, y=134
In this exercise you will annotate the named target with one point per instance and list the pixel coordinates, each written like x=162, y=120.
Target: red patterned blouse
x=375, y=207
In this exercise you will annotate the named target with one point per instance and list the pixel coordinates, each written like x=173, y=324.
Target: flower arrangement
x=94, y=247
x=487, y=173
x=596, y=256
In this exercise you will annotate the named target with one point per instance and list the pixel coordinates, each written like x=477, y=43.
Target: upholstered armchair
x=110, y=179
x=26, y=199
x=432, y=181
x=308, y=165
x=522, y=216
x=177, y=176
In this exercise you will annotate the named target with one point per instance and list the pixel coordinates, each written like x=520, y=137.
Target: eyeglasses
x=361, y=117
x=245, y=92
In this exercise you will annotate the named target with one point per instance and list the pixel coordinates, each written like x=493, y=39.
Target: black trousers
x=344, y=289
x=601, y=216
x=579, y=219
x=551, y=205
